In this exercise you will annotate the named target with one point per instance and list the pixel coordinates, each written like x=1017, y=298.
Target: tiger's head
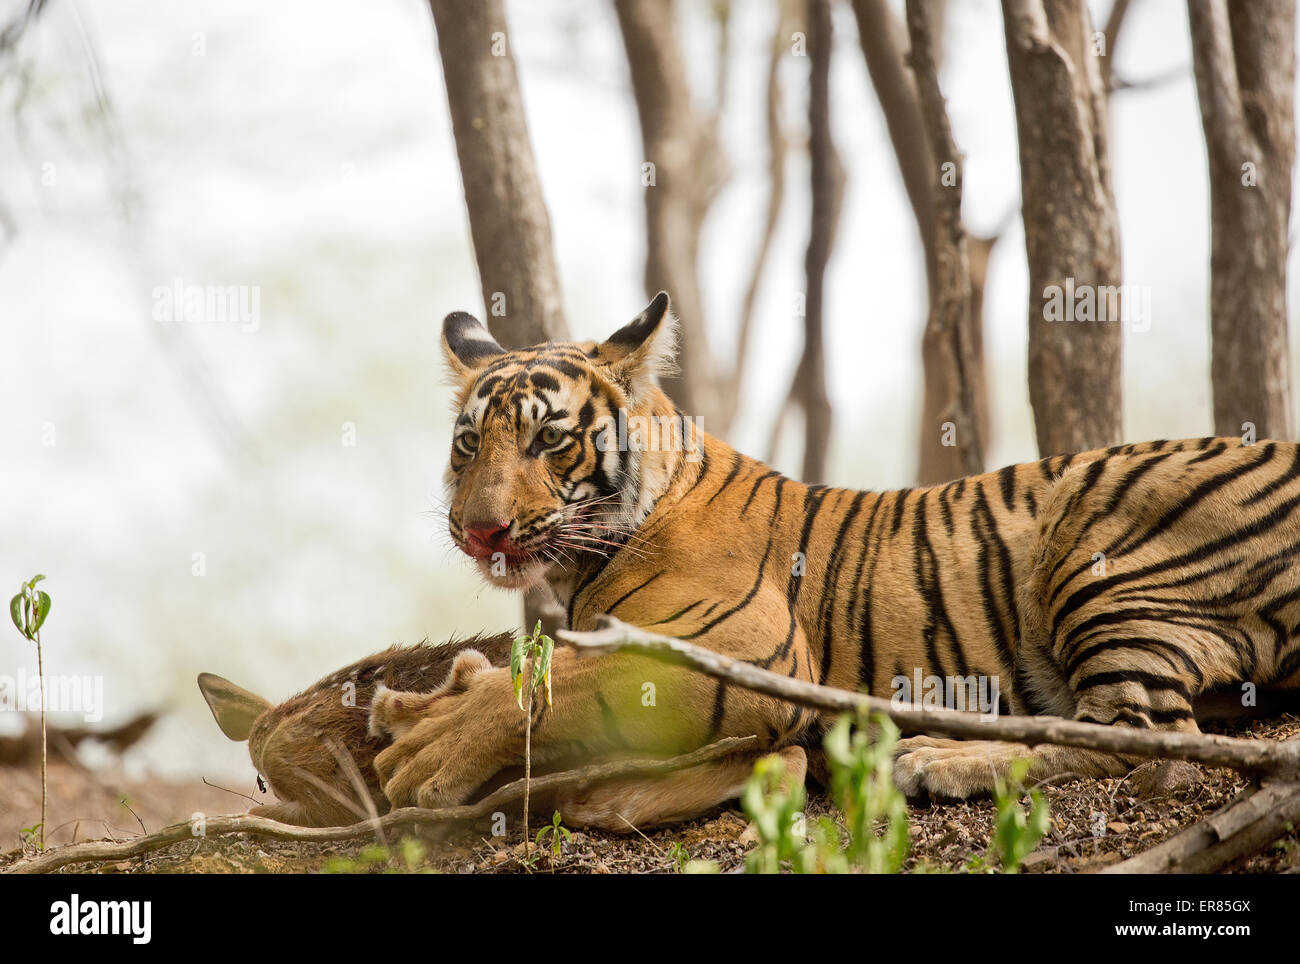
x=540, y=473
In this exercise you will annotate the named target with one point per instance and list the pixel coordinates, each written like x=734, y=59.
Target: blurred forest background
x=259, y=499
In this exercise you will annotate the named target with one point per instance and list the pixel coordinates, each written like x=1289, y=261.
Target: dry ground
x=1093, y=823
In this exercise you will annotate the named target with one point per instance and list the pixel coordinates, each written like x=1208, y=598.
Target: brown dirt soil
x=1093, y=823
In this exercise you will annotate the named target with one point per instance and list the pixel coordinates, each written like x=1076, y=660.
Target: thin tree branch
x=1115, y=21
x=1251, y=756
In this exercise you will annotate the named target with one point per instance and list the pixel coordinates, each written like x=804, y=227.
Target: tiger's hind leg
x=1155, y=579
x=636, y=803
x=1126, y=678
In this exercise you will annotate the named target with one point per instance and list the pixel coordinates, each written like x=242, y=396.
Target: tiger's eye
x=552, y=435
x=469, y=440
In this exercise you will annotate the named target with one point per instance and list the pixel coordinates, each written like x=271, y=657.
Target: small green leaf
x=517, y=667
x=16, y=613
x=42, y=610
x=35, y=579
x=548, y=650
x=539, y=671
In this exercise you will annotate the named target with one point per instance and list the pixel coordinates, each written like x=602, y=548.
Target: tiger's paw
x=460, y=737
x=953, y=769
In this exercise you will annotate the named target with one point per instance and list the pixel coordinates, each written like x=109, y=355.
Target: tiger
x=1115, y=586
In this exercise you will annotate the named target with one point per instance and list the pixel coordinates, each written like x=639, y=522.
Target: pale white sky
x=303, y=148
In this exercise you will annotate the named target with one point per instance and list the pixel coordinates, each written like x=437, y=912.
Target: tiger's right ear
x=467, y=345
x=234, y=708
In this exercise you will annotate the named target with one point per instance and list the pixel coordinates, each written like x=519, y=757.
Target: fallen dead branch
x=219, y=826
x=1251, y=756
x=1244, y=827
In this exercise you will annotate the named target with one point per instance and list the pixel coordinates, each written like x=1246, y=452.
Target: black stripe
x=719, y=710
x=1147, y=644
x=826, y=618
x=1007, y=482
x=1218, y=449
x=925, y=573
x=1195, y=497
x=1092, y=590
x=945, y=510
x=754, y=489
x=813, y=499
x=631, y=592
x=1149, y=681
x=677, y=615
x=900, y=507
x=736, y=463
x=862, y=583
x=1289, y=475
x=985, y=530
x=1109, y=507
x=758, y=580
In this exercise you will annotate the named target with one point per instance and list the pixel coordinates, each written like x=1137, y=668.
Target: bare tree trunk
x=947, y=337
x=681, y=174
x=883, y=39
x=507, y=212
x=777, y=147
x=1071, y=226
x=1243, y=54
x=827, y=194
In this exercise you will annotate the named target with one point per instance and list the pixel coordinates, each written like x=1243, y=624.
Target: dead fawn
x=316, y=751
x=302, y=746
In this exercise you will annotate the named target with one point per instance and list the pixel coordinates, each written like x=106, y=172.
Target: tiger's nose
x=488, y=537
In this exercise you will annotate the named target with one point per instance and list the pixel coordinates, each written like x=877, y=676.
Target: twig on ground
x=99, y=850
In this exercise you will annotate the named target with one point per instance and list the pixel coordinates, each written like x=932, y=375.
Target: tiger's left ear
x=643, y=349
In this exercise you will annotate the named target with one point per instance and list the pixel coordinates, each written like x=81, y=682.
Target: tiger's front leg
x=448, y=743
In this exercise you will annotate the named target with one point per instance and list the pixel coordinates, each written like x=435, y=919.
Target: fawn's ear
x=467, y=344
x=643, y=349
x=233, y=707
